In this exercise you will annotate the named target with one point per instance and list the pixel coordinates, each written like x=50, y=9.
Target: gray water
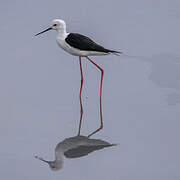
x=39, y=103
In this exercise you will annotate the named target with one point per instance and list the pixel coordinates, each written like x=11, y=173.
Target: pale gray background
x=39, y=86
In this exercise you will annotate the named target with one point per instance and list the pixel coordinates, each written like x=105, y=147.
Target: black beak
x=43, y=31
x=41, y=159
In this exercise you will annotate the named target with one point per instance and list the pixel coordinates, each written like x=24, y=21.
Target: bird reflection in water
x=74, y=147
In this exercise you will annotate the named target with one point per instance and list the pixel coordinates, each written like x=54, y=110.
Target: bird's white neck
x=61, y=32
x=59, y=159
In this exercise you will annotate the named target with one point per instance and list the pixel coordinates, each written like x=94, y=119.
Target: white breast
x=76, y=52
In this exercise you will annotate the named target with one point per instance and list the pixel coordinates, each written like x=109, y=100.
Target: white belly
x=77, y=52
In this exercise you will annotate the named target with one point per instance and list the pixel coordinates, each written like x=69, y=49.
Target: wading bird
x=82, y=46
x=74, y=147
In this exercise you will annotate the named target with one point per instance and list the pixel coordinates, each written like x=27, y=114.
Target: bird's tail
x=117, y=53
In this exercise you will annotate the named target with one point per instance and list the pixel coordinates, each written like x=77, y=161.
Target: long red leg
x=80, y=93
x=101, y=117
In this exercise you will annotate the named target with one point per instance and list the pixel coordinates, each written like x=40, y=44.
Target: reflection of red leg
x=101, y=118
x=80, y=93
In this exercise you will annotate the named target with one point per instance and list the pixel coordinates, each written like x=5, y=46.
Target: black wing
x=82, y=42
x=84, y=150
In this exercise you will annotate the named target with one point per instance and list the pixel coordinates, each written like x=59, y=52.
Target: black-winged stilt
x=82, y=46
x=74, y=147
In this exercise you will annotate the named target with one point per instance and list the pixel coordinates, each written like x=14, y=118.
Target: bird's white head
x=57, y=24
x=54, y=165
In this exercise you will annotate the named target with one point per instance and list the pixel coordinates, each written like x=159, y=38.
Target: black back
x=84, y=150
x=84, y=43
